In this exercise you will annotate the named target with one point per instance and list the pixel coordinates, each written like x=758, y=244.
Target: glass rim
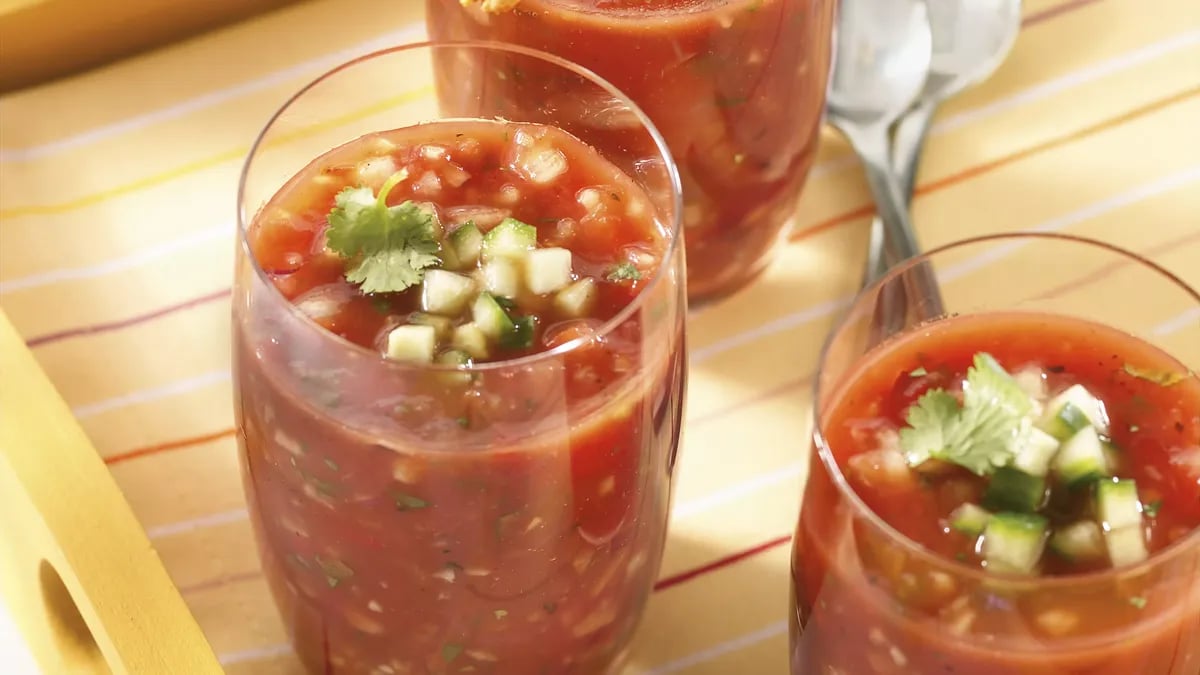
x=862, y=510
x=674, y=227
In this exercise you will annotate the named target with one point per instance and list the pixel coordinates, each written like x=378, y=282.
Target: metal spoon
x=883, y=54
x=971, y=38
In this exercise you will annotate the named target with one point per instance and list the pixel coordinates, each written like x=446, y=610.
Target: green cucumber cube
x=1081, y=458
x=970, y=519
x=412, y=343
x=1078, y=541
x=467, y=243
x=547, y=270
x=446, y=293
x=1013, y=542
x=1072, y=410
x=1011, y=489
x=502, y=278
x=510, y=239
x=470, y=339
x=1034, y=452
x=577, y=299
x=1117, y=504
x=490, y=317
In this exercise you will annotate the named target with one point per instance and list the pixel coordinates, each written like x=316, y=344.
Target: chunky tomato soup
x=1032, y=459
x=736, y=87
x=459, y=501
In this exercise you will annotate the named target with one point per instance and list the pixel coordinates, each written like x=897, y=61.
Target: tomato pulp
x=892, y=584
x=736, y=88
x=501, y=514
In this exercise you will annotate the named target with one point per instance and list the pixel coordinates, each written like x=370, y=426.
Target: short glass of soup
x=472, y=474
x=1013, y=487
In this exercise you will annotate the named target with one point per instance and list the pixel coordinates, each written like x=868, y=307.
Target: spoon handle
x=908, y=141
x=917, y=292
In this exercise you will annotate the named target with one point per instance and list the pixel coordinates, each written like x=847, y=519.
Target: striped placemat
x=117, y=193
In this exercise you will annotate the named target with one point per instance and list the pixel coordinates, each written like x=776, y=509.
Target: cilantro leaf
x=981, y=434
x=988, y=384
x=930, y=423
x=387, y=248
x=624, y=271
x=1159, y=377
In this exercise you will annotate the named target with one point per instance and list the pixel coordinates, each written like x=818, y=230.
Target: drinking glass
x=736, y=86
x=863, y=594
x=394, y=538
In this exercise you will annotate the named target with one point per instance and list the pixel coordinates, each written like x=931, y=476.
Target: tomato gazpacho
x=1021, y=475
x=736, y=87
x=458, y=427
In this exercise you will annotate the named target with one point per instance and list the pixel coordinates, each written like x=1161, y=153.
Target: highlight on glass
x=737, y=88
x=459, y=367
x=1013, y=487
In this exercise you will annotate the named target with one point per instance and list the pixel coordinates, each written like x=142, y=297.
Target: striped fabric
x=116, y=216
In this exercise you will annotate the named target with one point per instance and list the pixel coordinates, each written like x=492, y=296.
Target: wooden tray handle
x=76, y=569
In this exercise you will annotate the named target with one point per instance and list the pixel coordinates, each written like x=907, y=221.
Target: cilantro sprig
x=979, y=434
x=387, y=248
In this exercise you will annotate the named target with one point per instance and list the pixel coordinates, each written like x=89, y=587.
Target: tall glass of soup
x=1014, y=487
x=459, y=370
x=736, y=87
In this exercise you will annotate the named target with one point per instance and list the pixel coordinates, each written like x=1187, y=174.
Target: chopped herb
x=1159, y=377
x=504, y=302
x=1151, y=509
x=754, y=6
x=616, y=197
x=331, y=464
x=918, y=372
x=298, y=560
x=335, y=571
x=504, y=525
x=550, y=607
x=451, y=651
x=1056, y=369
x=623, y=272
x=978, y=435
x=730, y=101
x=463, y=422
x=960, y=556
x=388, y=247
x=499, y=613
x=405, y=502
x=451, y=565
x=1138, y=602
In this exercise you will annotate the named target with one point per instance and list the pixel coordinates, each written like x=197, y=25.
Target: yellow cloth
x=117, y=197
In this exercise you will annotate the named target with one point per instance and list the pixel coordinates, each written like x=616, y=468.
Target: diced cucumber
x=1081, y=458
x=445, y=292
x=510, y=239
x=467, y=242
x=441, y=324
x=1120, y=513
x=521, y=336
x=1112, y=455
x=1078, y=541
x=502, y=278
x=1013, y=542
x=547, y=270
x=470, y=339
x=1070, y=411
x=490, y=317
x=454, y=357
x=1126, y=546
x=1117, y=504
x=577, y=299
x=1034, y=453
x=1014, y=490
x=970, y=519
x=412, y=343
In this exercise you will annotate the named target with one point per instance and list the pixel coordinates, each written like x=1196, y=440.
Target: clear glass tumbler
x=395, y=540
x=737, y=88
x=867, y=599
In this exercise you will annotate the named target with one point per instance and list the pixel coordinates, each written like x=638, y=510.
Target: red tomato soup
x=1030, y=497
x=431, y=490
x=735, y=86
